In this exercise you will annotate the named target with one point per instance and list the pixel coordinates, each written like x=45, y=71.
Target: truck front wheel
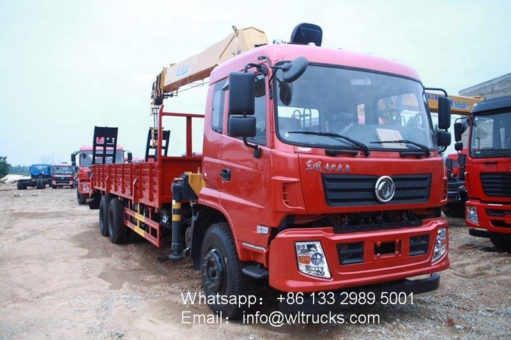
x=221, y=270
x=80, y=198
x=103, y=215
x=117, y=231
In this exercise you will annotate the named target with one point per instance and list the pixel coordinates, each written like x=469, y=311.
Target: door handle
x=225, y=174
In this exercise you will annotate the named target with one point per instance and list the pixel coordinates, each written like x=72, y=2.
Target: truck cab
x=83, y=173
x=339, y=183
x=40, y=176
x=62, y=175
x=488, y=175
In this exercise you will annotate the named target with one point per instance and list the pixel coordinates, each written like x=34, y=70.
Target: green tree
x=20, y=170
x=4, y=166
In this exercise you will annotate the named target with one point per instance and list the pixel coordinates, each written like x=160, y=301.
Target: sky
x=67, y=66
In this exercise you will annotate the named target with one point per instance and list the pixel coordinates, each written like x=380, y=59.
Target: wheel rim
x=213, y=273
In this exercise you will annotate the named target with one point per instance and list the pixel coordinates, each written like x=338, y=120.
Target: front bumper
x=339, y=301
x=494, y=217
x=373, y=269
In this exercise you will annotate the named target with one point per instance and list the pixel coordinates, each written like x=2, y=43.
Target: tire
x=221, y=269
x=118, y=233
x=39, y=184
x=21, y=186
x=501, y=244
x=82, y=199
x=103, y=214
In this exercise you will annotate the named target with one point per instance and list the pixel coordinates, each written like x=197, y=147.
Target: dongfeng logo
x=384, y=189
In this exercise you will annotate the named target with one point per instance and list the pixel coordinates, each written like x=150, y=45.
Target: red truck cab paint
x=488, y=174
x=319, y=172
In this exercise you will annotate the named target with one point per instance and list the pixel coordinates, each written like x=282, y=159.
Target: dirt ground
x=61, y=279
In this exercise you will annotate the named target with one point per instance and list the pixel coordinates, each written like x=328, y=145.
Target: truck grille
x=351, y=190
x=497, y=184
x=62, y=179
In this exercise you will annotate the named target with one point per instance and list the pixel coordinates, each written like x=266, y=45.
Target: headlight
x=472, y=214
x=311, y=259
x=440, y=244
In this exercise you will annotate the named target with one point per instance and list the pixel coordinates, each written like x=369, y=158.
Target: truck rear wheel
x=40, y=184
x=103, y=214
x=118, y=233
x=21, y=186
x=221, y=269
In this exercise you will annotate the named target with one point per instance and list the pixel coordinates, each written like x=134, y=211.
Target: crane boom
x=460, y=105
x=199, y=66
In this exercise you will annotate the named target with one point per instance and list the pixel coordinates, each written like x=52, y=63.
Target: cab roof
x=492, y=104
x=314, y=54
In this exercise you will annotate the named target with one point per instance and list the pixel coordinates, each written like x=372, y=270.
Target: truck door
x=245, y=179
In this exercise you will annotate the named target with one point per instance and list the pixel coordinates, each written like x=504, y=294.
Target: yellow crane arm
x=199, y=66
x=460, y=105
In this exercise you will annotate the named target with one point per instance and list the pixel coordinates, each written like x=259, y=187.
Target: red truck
x=62, y=175
x=319, y=172
x=83, y=173
x=488, y=170
x=455, y=163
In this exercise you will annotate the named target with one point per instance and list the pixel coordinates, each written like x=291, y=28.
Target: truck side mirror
x=444, y=113
x=241, y=93
x=458, y=146
x=443, y=138
x=73, y=159
x=242, y=123
x=130, y=157
x=241, y=104
x=242, y=126
x=293, y=70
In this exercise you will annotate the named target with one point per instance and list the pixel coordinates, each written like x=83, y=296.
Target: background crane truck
x=455, y=162
x=319, y=172
x=488, y=170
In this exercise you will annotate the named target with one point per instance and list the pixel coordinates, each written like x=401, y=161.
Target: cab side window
x=217, y=111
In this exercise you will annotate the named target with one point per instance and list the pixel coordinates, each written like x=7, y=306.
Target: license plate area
x=387, y=249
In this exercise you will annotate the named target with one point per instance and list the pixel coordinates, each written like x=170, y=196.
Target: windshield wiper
x=406, y=141
x=361, y=146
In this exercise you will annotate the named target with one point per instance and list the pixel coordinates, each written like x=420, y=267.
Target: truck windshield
x=86, y=158
x=62, y=170
x=41, y=168
x=368, y=108
x=491, y=135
